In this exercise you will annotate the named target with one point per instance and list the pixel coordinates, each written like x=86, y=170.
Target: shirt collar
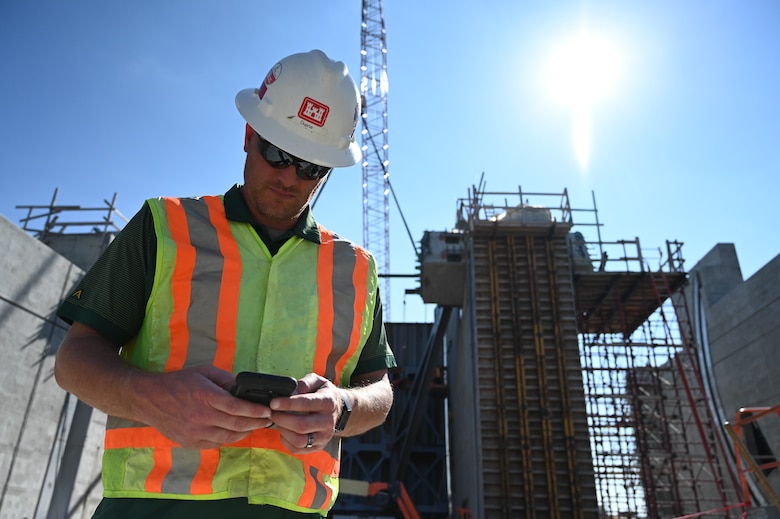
x=236, y=210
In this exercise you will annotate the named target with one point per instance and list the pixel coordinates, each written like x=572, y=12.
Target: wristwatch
x=346, y=411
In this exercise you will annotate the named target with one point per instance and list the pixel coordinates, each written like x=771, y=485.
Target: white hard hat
x=308, y=105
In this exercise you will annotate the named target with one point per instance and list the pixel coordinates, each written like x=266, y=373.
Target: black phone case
x=262, y=387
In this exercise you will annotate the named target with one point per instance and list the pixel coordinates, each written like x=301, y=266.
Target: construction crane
x=376, y=182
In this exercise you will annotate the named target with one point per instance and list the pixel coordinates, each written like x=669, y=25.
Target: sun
x=580, y=72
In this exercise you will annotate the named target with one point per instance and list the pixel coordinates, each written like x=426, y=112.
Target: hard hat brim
x=250, y=108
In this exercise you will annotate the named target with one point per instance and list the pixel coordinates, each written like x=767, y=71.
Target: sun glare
x=581, y=72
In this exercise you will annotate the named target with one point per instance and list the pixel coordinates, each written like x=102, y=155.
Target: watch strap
x=346, y=411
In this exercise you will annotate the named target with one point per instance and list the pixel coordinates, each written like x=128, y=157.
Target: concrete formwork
x=518, y=422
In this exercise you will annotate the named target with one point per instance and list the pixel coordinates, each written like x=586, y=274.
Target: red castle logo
x=313, y=111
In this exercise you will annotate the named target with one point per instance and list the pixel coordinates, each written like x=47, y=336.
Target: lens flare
x=581, y=72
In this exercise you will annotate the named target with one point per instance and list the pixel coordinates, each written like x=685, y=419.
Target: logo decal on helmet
x=313, y=111
x=272, y=76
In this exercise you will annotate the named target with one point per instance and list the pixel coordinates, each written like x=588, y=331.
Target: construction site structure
x=575, y=388
x=571, y=374
x=577, y=392
x=758, y=460
x=51, y=443
x=403, y=464
x=63, y=227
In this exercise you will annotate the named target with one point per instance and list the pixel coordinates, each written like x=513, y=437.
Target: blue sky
x=136, y=98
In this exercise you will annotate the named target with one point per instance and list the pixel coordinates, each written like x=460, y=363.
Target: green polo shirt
x=112, y=296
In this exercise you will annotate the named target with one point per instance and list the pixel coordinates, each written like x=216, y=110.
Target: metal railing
x=745, y=416
x=52, y=224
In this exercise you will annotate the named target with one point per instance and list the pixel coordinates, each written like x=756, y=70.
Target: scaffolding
x=657, y=450
x=761, y=463
x=635, y=388
x=53, y=225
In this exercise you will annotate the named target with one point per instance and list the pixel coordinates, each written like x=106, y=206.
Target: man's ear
x=248, y=134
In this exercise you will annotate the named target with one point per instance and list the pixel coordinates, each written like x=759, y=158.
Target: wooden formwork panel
x=535, y=451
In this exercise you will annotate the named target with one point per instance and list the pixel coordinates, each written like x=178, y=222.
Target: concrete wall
x=81, y=249
x=742, y=323
x=464, y=410
x=33, y=281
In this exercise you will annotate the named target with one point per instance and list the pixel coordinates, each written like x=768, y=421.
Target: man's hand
x=192, y=407
x=313, y=409
x=316, y=406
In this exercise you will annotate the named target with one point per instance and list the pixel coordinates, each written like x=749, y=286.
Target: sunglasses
x=280, y=159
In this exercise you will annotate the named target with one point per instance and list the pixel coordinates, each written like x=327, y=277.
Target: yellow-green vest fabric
x=220, y=298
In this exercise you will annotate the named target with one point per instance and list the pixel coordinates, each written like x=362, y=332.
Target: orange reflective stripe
x=265, y=438
x=325, y=296
x=163, y=461
x=309, y=489
x=151, y=438
x=181, y=284
x=360, y=281
x=227, y=315
x=202, y=482
x=314, y=489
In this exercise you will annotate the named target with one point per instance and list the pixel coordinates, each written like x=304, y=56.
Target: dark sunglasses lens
x=279, y=158
x=276, y=157
x=311, y=171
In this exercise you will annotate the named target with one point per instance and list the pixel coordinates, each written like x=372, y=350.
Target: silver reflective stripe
x=333, y=447
x=206, y=275
x=184, y=467
x=321, y=492
x=344, y=261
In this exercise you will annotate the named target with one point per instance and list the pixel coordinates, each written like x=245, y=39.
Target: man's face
x=275, y=197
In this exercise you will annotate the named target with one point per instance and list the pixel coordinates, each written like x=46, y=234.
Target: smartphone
x=262, y=387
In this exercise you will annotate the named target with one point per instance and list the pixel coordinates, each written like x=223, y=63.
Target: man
x=196, y=290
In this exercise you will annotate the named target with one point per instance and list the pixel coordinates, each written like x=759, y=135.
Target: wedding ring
x=310, y=441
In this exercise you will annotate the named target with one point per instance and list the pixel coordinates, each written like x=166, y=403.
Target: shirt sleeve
x=112, y=295
x=376, y=354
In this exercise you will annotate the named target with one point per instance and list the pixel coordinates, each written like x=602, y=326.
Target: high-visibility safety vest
x=220, y=298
